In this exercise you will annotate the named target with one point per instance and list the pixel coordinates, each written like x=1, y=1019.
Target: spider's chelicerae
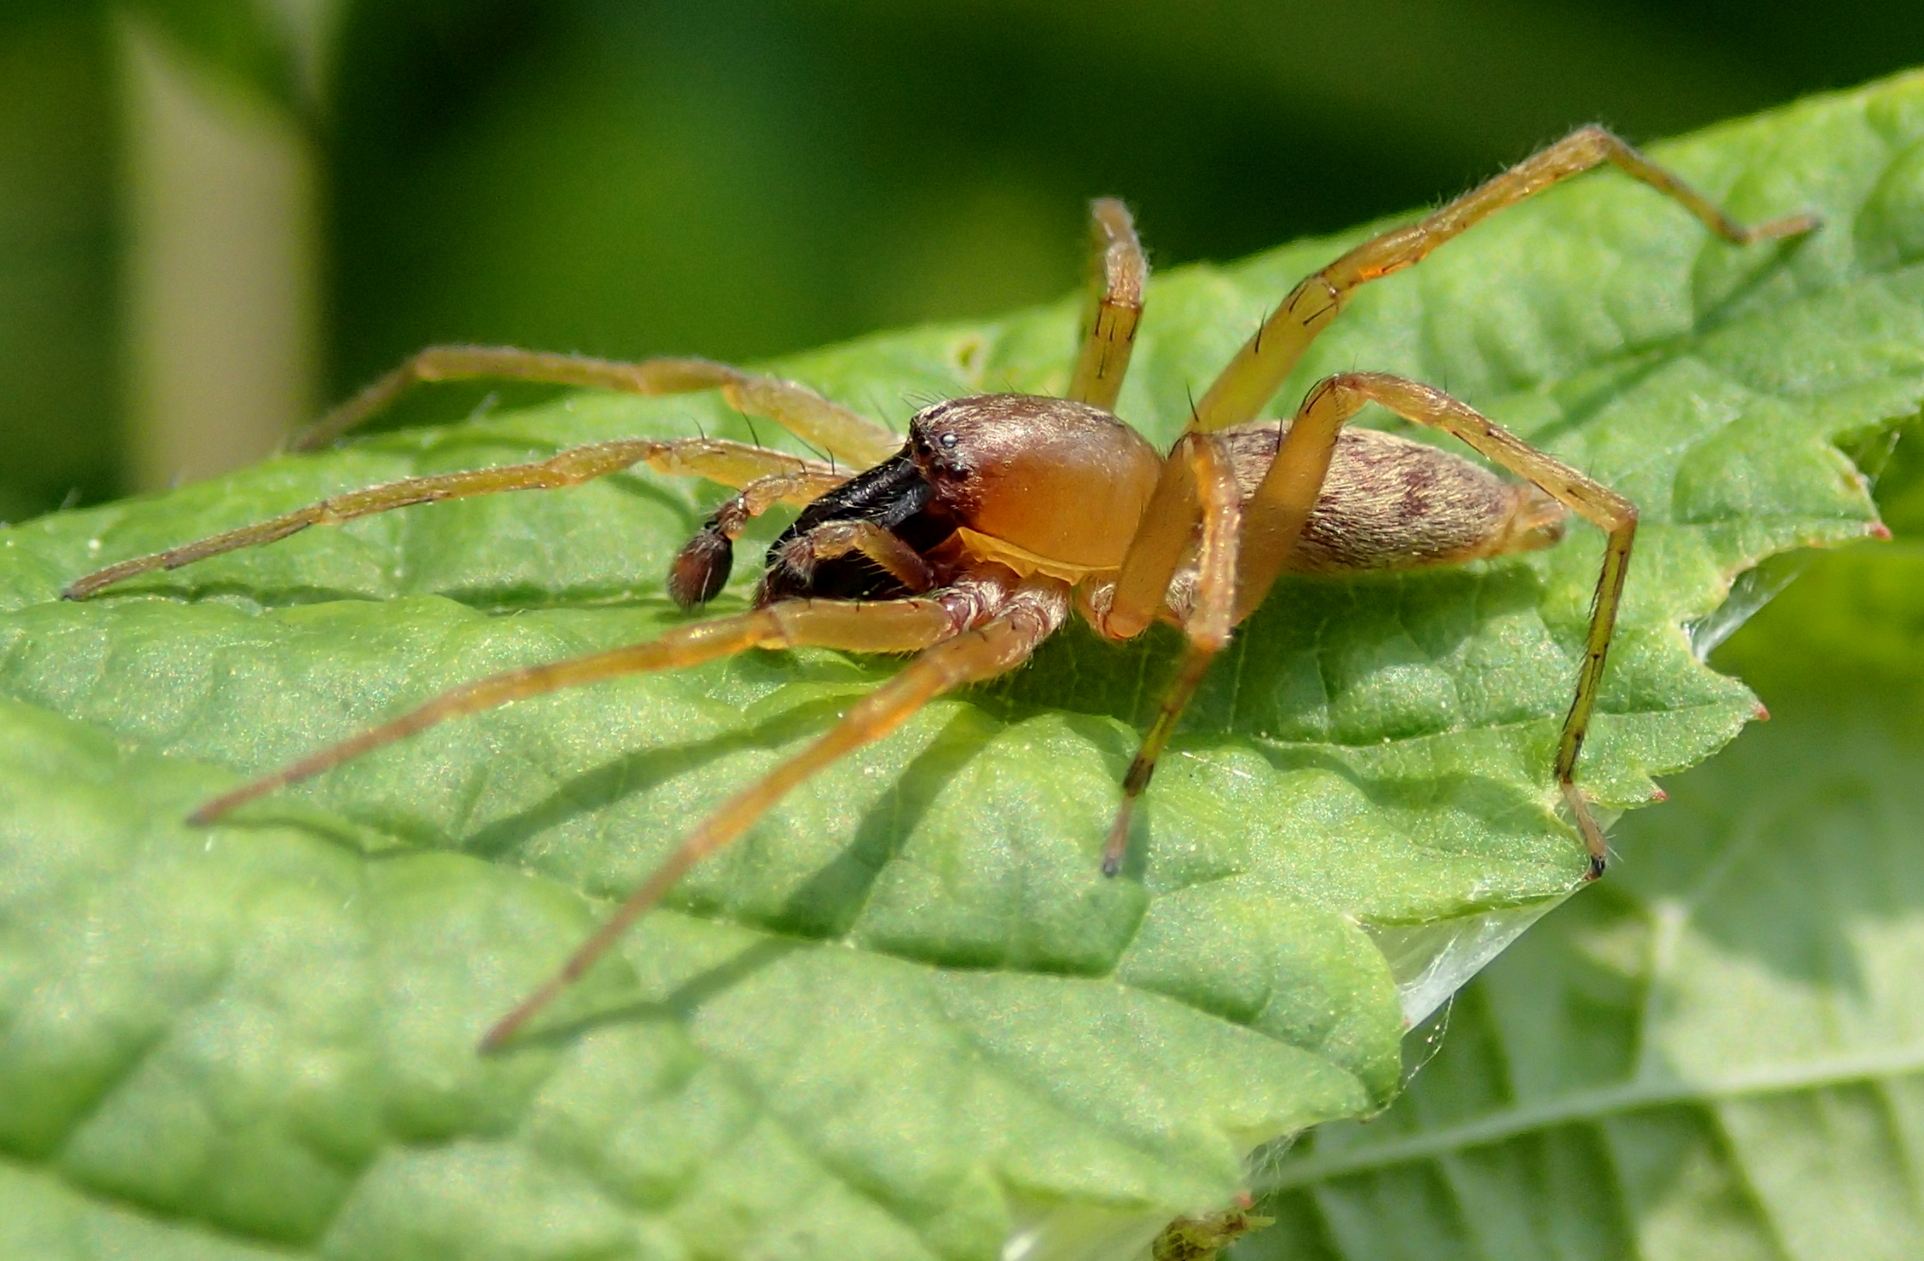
x=972, y=542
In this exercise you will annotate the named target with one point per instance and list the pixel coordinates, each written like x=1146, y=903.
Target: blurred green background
x=216, y=215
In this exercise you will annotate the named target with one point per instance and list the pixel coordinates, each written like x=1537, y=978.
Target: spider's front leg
x=1003, y=627
x=773, y=476
x=844, y=434
x=973, y=630
x=881, y=626
x=1118, y=273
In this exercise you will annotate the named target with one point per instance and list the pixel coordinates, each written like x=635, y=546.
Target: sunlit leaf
x=905, y=1017
x=1722, y=1056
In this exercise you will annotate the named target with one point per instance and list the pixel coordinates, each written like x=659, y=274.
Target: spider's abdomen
x=1390, y=503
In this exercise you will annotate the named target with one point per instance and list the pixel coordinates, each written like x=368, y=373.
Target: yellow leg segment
x=1207, y=622
x=878, y=626
x=1257, y=371
x=731, y=463
x=994, y=648
x=851, y=437
x=1281, y=505
x=1115, y=306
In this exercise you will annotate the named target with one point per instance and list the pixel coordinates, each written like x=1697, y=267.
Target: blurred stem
x=220, y=270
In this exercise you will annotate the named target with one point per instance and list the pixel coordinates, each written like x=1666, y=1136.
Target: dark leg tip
x=1111, y=864
x=1596, y=868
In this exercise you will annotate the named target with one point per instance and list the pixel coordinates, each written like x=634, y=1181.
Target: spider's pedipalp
x=701, y=568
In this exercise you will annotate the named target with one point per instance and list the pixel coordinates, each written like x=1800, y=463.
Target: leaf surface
x=905, y=1017
x=1723, y=1055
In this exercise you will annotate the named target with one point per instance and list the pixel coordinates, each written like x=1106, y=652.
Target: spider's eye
x=947, y=440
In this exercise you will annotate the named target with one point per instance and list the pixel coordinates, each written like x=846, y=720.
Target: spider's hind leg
x=1281, y=505
x=1258, y=369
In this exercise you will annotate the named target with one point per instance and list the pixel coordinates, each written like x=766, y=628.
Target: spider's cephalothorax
x=978, y=476
x=968, y=544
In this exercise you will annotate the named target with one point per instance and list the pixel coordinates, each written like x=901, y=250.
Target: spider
x=1002, y=514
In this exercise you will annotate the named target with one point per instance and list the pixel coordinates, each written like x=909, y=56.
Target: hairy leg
x=992, y=648
x=1258, y=369
x=875, y=626
x=730, y=463
x=1115, y=305
x=849, y=436
x=1276, y=515
x=1282, y=503
x=1207, y=617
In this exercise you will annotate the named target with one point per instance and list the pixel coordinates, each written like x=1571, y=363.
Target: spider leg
x=1281, y=505
x=1115, y=305
x=834, y=428
x=1258, y=369
x=1208, y=485
x=730, y=463
x=876, y=626
x=998, y=645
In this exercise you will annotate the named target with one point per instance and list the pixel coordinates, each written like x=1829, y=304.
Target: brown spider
x=969, y=545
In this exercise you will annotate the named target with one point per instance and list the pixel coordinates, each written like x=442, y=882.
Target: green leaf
x=1720, y=1056
x=905, y=1017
